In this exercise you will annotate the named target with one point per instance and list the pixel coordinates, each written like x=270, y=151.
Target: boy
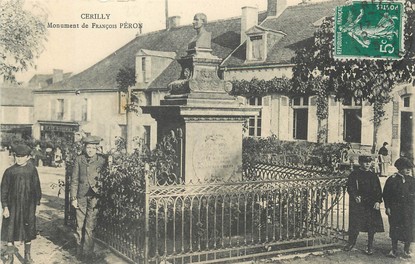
x=85, y=178
x=399, y=195
x=20, y=194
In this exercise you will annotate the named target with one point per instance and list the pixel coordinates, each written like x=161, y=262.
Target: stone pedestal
x=208, y=118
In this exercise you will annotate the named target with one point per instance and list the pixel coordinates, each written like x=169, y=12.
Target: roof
x=102, y=75
x=259, y=29
x=16, y=96
x=298, y=23
x=45, y=79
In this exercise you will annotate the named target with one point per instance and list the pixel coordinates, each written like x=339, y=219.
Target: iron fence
x=270, y=171
x=230, y=221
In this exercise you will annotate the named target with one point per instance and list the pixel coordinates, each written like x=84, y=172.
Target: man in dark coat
x=365, y=196
x=86, y=176
x=399, y=196
x=20, y=194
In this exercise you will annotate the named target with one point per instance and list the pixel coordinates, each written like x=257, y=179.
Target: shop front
x=51, y=130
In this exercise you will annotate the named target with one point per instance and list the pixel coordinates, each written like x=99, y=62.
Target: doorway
x=406, y=148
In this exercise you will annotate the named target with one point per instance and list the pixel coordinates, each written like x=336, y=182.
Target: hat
x=365, y=158
x=92, y=140
x=21, y=150
x=403, y=163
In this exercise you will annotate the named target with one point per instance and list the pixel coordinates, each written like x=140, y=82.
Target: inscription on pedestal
x=214, y=156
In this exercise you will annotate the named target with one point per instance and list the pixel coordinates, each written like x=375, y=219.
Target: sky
x=76, y=49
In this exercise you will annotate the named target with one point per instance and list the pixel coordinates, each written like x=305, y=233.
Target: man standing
x=84, y=189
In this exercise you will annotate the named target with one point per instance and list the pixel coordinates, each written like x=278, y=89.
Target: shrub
x=275, y=151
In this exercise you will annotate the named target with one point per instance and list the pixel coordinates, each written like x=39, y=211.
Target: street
x=54, y=244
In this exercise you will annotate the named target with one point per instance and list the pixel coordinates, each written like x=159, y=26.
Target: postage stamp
x=372, y=29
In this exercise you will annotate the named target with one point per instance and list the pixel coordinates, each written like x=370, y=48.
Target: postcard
x=203, y=130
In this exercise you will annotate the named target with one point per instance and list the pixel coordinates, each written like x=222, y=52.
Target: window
x=84, y=116
x=148, y=97
x=143, y=67
x=352, y=120
x=300, y=118
x=60, y=109
x=147, y=136
x=406, y=101
x=254, y=123
x=352, y=125
x=257, y=47
x=122, y=103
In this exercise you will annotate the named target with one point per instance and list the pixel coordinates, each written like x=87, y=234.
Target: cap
x=92, y=140
x=403, y=163
x=365, y=158
x=21, y=150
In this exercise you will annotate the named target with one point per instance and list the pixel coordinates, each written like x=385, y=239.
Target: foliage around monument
x=123, y=185
x=22, y=35
x=271, y=150
x=257, y=87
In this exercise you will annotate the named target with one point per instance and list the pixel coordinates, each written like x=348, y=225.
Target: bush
x=122, y=191
x=121, y=200
x=275, y=151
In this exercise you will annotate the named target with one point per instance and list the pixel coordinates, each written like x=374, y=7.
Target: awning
x=15, y=127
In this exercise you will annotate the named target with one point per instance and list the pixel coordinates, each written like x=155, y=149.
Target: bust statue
x=202, y=38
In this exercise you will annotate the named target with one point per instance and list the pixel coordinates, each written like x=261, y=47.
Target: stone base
x=212, y=139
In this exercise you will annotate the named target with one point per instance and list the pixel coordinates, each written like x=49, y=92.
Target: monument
x=200, y=110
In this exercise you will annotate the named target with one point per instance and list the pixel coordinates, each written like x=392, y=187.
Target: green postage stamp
x=371, y=30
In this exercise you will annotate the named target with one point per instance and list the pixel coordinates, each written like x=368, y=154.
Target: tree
x=22, y=34
x=125, y=78
x=371, y=80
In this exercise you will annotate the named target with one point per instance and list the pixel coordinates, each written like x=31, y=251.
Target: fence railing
x=279, y=211
x=269, y=171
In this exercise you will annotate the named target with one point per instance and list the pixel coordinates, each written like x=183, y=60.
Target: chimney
x=249, y=19
x=57, y=75
x=275, y=7
x=173, y=22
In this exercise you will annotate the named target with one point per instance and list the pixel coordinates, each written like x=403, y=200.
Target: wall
x=156, y=65
x=17, y=115
x=393, y=123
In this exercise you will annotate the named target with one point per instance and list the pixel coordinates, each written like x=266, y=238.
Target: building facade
x=265, y=52
x=16, y=112
x=61, y=113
